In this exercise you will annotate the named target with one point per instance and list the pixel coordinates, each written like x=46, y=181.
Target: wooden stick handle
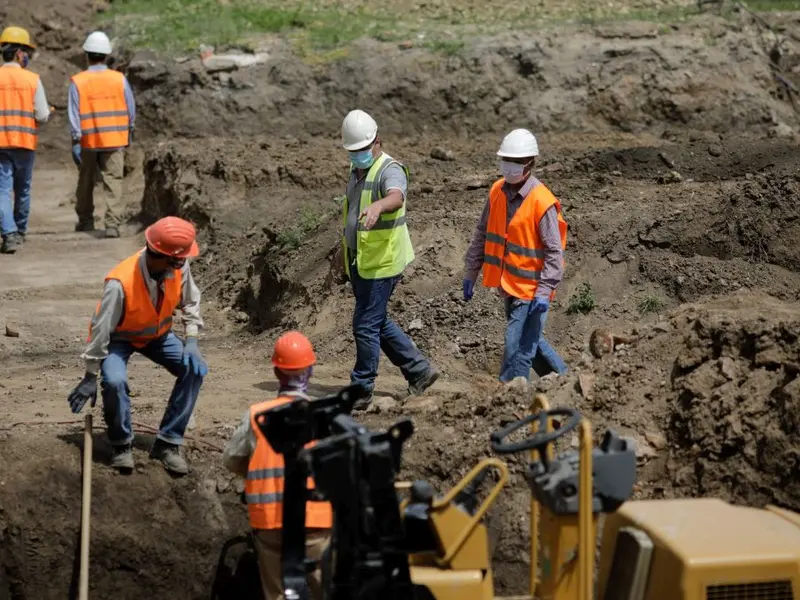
x=86, y=505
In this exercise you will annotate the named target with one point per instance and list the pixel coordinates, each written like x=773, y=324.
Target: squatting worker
x=519, y=244
x=102, y=112
x=23, y=105
x=377, y=248
x=135, y=315
x=249, y=454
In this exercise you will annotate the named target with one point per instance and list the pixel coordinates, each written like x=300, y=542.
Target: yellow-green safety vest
x=385, y=250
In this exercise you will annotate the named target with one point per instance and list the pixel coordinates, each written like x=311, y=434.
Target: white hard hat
x=358, y=130
x=520, y=143
x=97, y=43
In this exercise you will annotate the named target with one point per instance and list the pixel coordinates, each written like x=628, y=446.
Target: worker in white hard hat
x=23, y=106
x=102, y=111
x=377, y=248
x=519, y=245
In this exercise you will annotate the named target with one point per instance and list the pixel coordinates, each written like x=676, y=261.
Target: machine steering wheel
x=542, y=438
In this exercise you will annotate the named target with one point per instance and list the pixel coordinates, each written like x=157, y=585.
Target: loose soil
x=674, y=151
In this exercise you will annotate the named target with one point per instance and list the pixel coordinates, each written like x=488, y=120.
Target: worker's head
x=518, y=152
x=170, y=241
x=16, y=46
x=97, y=48
x=293, y=359
x=360, y=139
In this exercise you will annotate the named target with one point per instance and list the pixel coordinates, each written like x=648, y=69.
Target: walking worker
x=249, y=454
x=135, y=315
x=377, y=248
x=102, y=111
x=23, y=104
x=519, y=244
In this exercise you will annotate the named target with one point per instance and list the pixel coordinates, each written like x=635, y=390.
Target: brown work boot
x=170, y=456
x=424, y=382
x=122, y=458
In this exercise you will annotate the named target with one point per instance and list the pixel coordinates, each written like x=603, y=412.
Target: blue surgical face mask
x=25, y=60
x=362, y=159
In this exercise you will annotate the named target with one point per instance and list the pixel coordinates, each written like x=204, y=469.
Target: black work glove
x=83, y=392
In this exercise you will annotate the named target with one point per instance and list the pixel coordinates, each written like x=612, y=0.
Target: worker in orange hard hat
x=250, y=455
x=135, y=315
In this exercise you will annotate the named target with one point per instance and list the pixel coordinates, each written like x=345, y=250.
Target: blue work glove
x=192, y=359
x=541, y=305
x=76, y=153
x=469, y=289
x=86, y=390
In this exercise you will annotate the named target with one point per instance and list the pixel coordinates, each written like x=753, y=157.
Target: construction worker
x=102, y=112
x=135, y=315
x=377, y=248
x=23, y=104
x=249, y=454
x=519, y=244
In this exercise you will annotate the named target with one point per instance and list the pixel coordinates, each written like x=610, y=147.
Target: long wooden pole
x=86, y=505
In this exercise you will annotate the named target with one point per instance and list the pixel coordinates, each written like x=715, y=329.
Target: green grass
x=651, y=304
x=583, y=301
x=293, y=237
x=331, y=25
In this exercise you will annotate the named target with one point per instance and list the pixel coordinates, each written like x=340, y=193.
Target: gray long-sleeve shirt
x=74, y=106
x=112, y=305
x=553, y=269
x=40, y=106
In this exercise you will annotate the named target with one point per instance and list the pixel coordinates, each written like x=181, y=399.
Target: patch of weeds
x=446, y=47
x=293, y=237
x=651, y=304
x=583, y=301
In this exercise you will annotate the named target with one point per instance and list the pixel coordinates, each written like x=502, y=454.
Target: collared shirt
x=40, y=106
x=74, y=107
x=242, y=445
x=112, y=305
x=553, y=268
x=392, y=178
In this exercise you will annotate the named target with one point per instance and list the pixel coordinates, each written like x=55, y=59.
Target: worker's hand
x=76, y=153
x=370, y=215
x=192, y=359
x=541, y=305
x=469, y=289
x=86, y=390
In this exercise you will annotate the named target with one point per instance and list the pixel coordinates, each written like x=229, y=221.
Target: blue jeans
x=166, y=351
x=524, y=341
x=375, y=331
x=16, y=173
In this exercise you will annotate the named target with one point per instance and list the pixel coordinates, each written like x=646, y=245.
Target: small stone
x=241, y=317
x=476, y=183
x=666, y=160
x=415, y=325
x=238, y=485
x=223, y=484
x=407, y=45
x=586, y=383
x=382, y=404
x=615, y=257
x=442, y=154
x=518, y=383
x=12, y=331
x=553, y=167
x=453, y=348
x=728, y=368
x=715, y=150
x=656, y=439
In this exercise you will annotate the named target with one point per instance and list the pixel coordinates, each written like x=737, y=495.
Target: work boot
x=84, y=226
x=11, y=243
x=112, y=232
x=170, y=456
x=122, y=457
x=362, y=403
x=424, y=382
x=22, y=237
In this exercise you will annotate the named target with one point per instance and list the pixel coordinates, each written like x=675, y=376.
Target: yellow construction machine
x=436, y=548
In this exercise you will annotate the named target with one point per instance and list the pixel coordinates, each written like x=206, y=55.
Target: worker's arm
x=190, y=303
x=473, y=261
x=553, y=268
x=73, y=111
x=104, y=322
x=239, y=449
x=40, y=105
x=130, y=102
x=394, y=188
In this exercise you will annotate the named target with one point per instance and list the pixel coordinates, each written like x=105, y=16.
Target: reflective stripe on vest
x=103, y=109
x=385, y=250
x=263, y=486
x=513, y=252
x=18, y=128
x=140, y=323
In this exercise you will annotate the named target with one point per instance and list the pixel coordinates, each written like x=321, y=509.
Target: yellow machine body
x=699, y=549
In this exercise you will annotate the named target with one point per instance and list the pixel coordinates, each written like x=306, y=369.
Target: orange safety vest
x=18, y=128
x=264, y=485
x=514, y=254
x=103, y=109
x=141, y=323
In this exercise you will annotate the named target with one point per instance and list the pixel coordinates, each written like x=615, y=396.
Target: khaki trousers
x=102, y=172
x=268, y=546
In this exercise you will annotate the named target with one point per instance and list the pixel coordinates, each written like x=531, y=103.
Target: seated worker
x=250, y=455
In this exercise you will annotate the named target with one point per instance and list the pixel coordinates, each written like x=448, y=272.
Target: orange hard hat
x=173, y=237
x=293, y=352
